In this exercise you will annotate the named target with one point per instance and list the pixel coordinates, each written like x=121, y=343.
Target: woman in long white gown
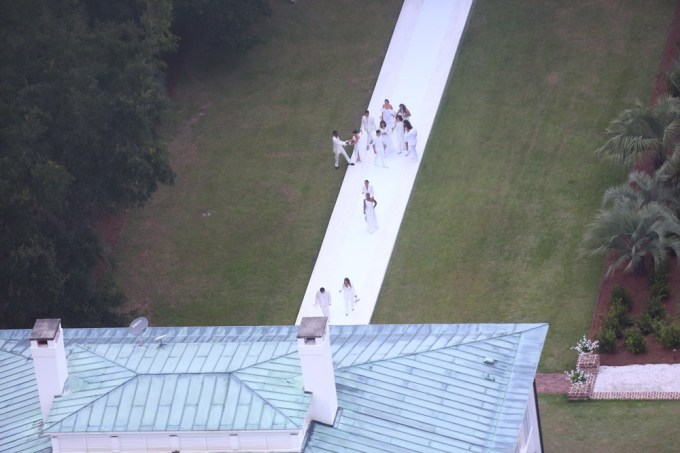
x=387, y=113
x=399, y=133
x=349, y=295
x=386, y=135
x=369, y=213
x=411, y=140
x=404, y=112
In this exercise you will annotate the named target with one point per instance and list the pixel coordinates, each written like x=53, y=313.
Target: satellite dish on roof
x=138, y=327
x=160, y=340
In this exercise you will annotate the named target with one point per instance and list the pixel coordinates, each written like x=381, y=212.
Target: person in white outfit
x=386, y=135
x=349, y=295
x=367, y=188
x=388, y=114
x=378, y=149
x=323, y=300
x=360, y=146
x=369, y=213
x=368, y=125
x=338, y=149
x=399, y=133
x=404, y=112
x=411, y=139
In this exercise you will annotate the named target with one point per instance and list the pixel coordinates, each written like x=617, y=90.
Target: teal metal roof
x=20, y=417
x=198, y=379
x=400, y=387
x=426, y=388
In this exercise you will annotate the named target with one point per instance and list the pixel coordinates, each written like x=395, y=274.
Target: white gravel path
x=638, y=378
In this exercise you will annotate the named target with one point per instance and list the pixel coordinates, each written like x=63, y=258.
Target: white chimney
x=49, y=361
x=316, y=360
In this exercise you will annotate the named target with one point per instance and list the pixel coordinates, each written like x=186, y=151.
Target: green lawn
x=609, y=426
x=251, y=145
x=509, y=181
x=503, y=195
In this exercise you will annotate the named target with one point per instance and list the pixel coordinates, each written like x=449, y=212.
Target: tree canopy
x=81, y=102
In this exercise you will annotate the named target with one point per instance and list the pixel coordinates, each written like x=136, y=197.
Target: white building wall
x=529, y=439
x=49, y=361
x=264, y=441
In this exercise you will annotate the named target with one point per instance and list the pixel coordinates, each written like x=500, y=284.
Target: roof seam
x=266, y=401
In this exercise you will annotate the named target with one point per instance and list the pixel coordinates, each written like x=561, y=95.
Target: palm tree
x=632, y=235
x=642, y=189
x=644, y=132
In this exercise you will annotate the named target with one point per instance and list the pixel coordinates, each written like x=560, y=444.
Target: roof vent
x=488, y=377
x=489, y=360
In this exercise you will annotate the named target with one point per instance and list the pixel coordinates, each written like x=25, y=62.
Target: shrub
x=607, y=340
x=623, y=297
x=655, y=309
x=611, y=322
x=659, y=287
x=635, y=342
x=646, y=323
x=669, y=335
x=661, y=290
x=619, y=313
x=618, y=309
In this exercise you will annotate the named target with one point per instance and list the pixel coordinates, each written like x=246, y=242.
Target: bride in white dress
x=369, y=213
x=386, y=136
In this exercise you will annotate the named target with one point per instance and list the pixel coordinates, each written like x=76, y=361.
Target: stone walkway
x=552, y=383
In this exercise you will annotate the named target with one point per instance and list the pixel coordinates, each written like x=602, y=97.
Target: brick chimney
x=316, y=360
x=49, y=361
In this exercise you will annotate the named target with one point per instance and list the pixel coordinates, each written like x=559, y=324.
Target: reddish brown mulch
x=638, y=286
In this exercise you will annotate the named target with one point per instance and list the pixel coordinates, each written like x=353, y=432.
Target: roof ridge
x=266, y=401
x=97, y=398
x=28, y=358
x=397, y=356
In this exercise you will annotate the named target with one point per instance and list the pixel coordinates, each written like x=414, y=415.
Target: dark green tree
x=81, y=100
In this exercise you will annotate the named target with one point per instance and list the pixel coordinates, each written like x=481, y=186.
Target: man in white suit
x=367, y=187
x=338, y=149
x=323, y=299
x=378, y=148
x=368, y=125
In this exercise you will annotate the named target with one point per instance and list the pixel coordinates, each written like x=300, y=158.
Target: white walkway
x=415, y=72
x=637, y=379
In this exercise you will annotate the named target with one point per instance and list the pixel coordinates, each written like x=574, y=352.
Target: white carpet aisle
x=415, y=72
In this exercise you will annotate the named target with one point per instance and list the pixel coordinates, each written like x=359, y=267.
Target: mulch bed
x=638, y=286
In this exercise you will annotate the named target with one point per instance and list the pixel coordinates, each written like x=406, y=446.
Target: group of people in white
x=396, y=135
x=323, y=298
